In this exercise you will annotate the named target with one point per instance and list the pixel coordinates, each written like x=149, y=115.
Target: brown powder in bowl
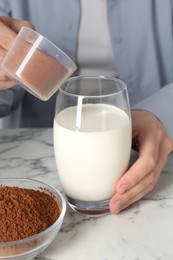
x=25, y=212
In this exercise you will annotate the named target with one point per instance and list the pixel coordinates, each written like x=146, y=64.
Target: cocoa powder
x=25, y=212
x=42, y=74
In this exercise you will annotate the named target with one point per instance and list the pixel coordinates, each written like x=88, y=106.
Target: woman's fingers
x=7, y=84
x=7, y=36
x=9, y=28
x=148, y=155
x=121, y=201
x=5, y=81
x=154, y=148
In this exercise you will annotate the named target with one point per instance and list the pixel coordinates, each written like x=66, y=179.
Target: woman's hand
x=154, y=146
x=9, y=28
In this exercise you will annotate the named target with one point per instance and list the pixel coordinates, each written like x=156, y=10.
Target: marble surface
x=141, y=232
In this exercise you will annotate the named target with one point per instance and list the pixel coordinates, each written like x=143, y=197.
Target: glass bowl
x=30, y=247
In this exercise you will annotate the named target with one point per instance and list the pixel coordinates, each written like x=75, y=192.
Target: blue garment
x=142, y=39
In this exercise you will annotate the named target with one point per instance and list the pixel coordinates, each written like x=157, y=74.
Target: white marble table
x=142, y=232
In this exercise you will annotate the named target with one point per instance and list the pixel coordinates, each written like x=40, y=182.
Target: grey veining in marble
x=141, y=232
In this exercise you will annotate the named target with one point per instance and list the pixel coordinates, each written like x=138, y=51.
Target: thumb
x=9, y=28
x=18, y=24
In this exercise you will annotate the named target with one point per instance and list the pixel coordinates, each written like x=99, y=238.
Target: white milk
x=92, y=159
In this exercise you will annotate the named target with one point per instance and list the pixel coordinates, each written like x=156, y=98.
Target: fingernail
x=118, y=205
x=123, y=188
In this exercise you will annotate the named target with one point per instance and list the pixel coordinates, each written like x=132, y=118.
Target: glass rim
x=111, y=78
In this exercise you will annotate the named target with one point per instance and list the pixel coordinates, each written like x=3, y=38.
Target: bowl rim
x=47, y=230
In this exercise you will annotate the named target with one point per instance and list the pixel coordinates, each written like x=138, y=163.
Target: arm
x=161, y=105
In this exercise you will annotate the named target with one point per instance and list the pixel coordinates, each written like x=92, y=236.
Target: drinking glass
x=92, y=140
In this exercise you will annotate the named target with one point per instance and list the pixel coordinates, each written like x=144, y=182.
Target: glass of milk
x=92, y=140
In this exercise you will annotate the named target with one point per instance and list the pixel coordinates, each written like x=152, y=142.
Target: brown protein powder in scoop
x=25, y=212
x=42, y=74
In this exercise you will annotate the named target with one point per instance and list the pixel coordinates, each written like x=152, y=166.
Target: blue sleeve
x=161, y=105
x=10, y=99
x=4, y=7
